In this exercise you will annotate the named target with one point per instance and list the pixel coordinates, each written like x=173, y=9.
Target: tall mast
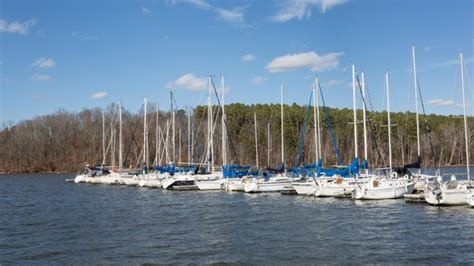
x=316, y=81
x=145, y=135
x=466, y=136
x=167, y=141
x=120, y=137
x=268, y=143
x=189, y=135
x=356, y=152
x=224, y=132
x=282, y=132
x=316, y=96
x=103, y=138
x=256, y=140
x=364, y=110
x=209, y=127
x=158, y=142
x=112, y=140
x=173, y=129
x=389, y=124
x=415, y=81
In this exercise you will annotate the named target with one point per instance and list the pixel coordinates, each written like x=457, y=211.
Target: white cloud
x=39, y=77
x=17, y=27
x=441, y=103
x=99, y=95
x=145, y=11
x=44, y=62
x=304, y=60
x=259, y=80
x=298, y=9
x=332, y=83
x=248, y=57
x=188, y=82
x=449, y=63
x=228, y=15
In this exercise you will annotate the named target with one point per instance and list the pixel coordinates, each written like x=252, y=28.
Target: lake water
x=46, y=220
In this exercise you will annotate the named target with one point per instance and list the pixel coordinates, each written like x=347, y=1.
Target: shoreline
x=73, y=172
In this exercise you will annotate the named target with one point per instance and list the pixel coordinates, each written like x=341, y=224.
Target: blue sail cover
x=353, y=169
x=235, y=170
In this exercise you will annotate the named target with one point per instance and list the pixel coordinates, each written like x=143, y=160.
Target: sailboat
x=308, y=185
x=342, y=181
x=213, y=180
x=150, y=177
x=176, y=177
x=453, y=192
x=386, y=187
x=271, y=182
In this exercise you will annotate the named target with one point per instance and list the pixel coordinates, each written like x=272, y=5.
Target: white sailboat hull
x=178, y=180
x=470, y=199
x=209, y=184
x=150, y=183
x=233, y=185
x=334, y=190
x=80, y=179
x=386, y=189
x=305, y=188
x=445, y=196
x=256, y=186
x=111, y=179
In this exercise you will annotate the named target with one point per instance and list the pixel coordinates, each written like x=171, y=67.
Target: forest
x=65, y=141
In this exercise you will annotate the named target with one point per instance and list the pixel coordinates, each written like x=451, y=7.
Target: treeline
x=65, y=141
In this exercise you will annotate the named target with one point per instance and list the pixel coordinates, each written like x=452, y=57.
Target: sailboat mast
x=173, y=129
x=268, y=143
x=389, y=124
x=158, y=142
x=316, y=81
x=209, y=127
x=120, y=137
x=224, y=132
x=282, y=133
x=415, y=81
x=112, y=140
x=356, y=152
x=189, y=134
x=364, y=110
x=316, y=96
x=256, y=140
x=145, y=135
x=466, y=136
x=103, y=138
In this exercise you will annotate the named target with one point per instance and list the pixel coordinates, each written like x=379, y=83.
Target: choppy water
x=45, y=220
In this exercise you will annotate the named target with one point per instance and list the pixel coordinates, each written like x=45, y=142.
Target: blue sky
x=76, y=54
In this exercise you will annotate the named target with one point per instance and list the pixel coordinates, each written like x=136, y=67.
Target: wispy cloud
x=99, y=95
x=145, y=11
x=332, y=83
x=188, y=82
x=248, y=57
x=448, y=63
x=228, y=15
x=259, y=80
x=441, y=103
x=299, y=9
x=44, y=62
x=39, y=77
x=17, y=27
x=427, y=48
x=304, y=60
